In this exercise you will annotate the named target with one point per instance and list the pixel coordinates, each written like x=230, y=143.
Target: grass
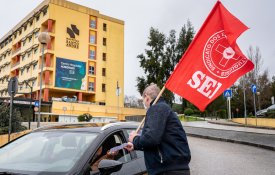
x=189, y=118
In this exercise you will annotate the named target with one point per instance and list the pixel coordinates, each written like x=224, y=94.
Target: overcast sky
x=140, y=15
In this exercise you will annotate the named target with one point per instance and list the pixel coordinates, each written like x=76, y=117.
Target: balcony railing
x=16, y=64
x=16, y=51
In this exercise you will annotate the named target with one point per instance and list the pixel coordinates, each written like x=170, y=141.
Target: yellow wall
x=4, y=138
x=266, y=122
x=95, y=110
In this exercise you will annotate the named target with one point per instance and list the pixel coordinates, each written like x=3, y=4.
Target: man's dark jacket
x=163, y=140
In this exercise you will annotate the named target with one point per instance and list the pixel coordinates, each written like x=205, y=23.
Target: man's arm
x=155, y=127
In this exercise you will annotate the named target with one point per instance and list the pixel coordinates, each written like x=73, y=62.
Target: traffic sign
x=36, y=103
x=254, y=88
x=227, y=93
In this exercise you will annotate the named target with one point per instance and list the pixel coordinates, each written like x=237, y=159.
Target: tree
x=133, y=102
x=85, y=117
x=16, y=119
x=185, y=38
x=163, y=54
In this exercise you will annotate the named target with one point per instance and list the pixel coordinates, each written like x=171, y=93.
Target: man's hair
x=152, y=91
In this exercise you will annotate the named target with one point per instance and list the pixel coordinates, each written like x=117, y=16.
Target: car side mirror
x=107, y=167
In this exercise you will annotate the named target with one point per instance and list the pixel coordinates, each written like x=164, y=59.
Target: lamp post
x=31, y=87
x=244, y=102
x=117, y=93
x=44, y=38
x=258, y=94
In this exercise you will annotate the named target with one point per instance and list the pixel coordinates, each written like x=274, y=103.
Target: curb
x=232, y=141
x=241, y=125
x=228, y=130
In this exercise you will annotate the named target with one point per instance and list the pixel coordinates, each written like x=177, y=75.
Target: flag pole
x=155, y=101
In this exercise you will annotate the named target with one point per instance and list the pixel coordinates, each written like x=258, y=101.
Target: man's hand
x=129, y=146
x=132, y=136
x=112, y=153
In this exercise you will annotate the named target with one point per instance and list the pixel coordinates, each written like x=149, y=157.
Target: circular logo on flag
x=219, y=58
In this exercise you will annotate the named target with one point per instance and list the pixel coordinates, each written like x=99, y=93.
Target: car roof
x=87, y=127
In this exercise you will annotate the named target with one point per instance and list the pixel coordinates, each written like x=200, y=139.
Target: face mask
x=145, y=107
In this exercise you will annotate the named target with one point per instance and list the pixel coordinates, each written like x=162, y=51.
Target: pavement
x=263, y=138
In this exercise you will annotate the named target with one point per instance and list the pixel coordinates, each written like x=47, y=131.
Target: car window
x=45, y=151
x=138, y=153
x=111, y=141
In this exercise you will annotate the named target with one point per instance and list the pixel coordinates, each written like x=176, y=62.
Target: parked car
x=264, y=111
x=71, y=149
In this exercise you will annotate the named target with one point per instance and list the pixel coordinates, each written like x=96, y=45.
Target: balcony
x=16, y=51
x=15, y=64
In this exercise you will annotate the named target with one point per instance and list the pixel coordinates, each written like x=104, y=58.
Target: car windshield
x=45, y=151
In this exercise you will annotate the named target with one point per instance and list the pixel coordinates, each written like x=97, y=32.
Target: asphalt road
x=211, y=157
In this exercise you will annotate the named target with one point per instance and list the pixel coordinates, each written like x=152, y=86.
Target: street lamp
x=258, y=94
x=44, y=38
x=31, y=87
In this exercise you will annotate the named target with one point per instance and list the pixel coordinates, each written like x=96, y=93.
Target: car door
x=137, y=155
x=115, y=139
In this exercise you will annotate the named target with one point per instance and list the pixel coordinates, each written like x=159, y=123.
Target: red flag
x=213, y=61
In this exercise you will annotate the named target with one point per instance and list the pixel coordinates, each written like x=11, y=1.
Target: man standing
x=163, y=139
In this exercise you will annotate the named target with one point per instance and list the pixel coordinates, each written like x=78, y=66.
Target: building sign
x=70, y=74
x=71, y=41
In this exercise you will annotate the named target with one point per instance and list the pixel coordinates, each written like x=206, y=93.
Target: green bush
x=188, y=111
x=16, y=119
x=177, y=108
x=221, y=113
x=85, y=117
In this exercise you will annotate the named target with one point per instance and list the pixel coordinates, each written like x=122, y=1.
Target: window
x=45, y=12
x=92, y=39
x=29, y=54
x=102, y=103
x=104, y=56
x=23, y=57
x=103, y=87
x=104, y=27
x=104, y=41
x=37, y=17
x=34, y=66
x=35, y=50
x=30, y=39
x=24, y=42
x=91, y=70
x=92, y=54
x=36, y=34
x=91, y=86
x=31, y=21
x=137, y=152
x=110, y=142
x=25, y=27
x=104, y=72
x=28, y=68
x=93, y=24
x=22, y=71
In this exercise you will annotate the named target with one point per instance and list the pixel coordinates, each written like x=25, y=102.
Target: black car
x=72, y=149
